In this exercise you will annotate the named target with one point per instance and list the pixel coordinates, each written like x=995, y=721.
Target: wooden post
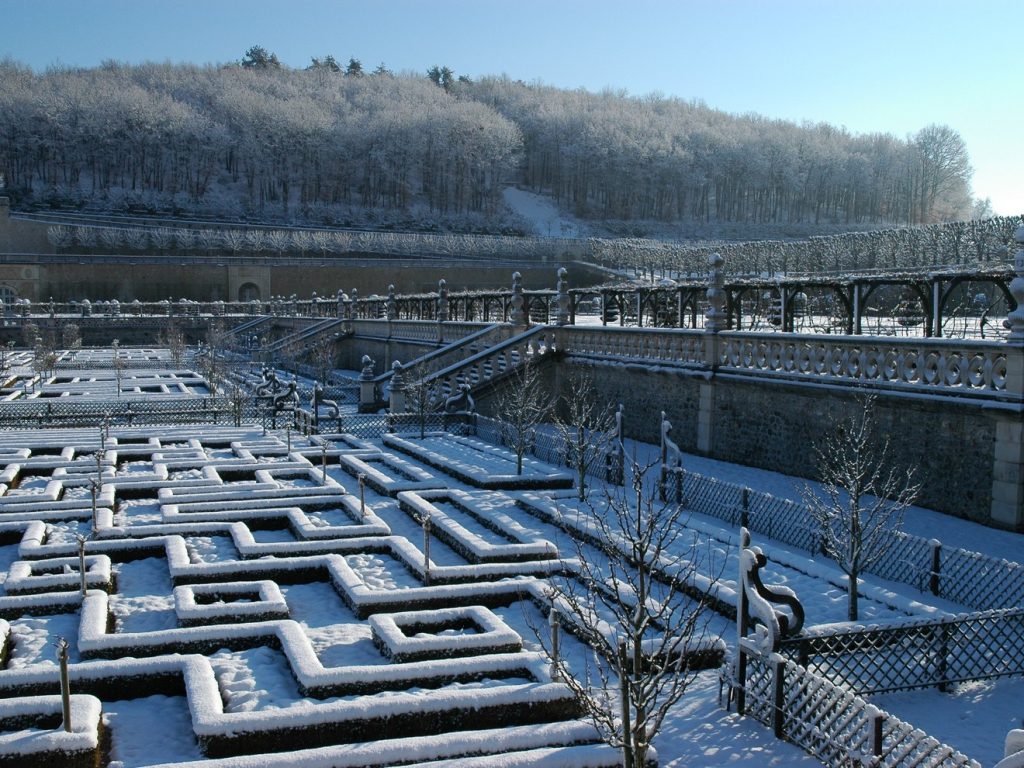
x=362, y=496
x=745, y=508
x=933, y=577
x=65, y=684
x=875, y=722
x=778, y=693
x=426, y=550
x=81, y=563
x=92, y=492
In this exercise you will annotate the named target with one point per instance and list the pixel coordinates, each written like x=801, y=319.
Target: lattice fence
x=916, y=655
x=835, y=725
x=969, y=578
x=40, y=414
x=602, y=461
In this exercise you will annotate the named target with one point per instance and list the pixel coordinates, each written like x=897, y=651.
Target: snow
x=547, y=220
x=973, y=717
x=279, y=543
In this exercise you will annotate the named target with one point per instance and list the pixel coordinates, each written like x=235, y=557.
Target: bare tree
x=71, y=336
x=321, y=357
x=634, y=604
x=585, y=428
x=863, y=495
x=173, y=338
x=423, y=394
x=522, y=407
x=119, y=363
x=211, y=362
x=238, y=398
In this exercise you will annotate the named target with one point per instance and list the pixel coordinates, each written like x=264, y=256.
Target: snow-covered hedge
x=31, y=735
x=439, y=634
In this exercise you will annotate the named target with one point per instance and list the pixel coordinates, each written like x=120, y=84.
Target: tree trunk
x=851, y=611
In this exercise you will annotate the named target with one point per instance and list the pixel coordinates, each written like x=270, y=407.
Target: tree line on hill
x=256, y=138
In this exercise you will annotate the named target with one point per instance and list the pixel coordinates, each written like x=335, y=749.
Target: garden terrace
x=268, y=604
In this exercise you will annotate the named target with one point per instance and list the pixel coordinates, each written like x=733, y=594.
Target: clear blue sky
x=869, y=65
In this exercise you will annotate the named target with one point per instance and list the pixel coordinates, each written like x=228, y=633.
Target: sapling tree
x=212, y=362
x=71, y=336
x=862, y=495
x=238, y=398
x=173, y=338
x=523, y=406
x=585, y=428
x=120, y=364
x=423, y=394
x=321, y=357
x=632, y=600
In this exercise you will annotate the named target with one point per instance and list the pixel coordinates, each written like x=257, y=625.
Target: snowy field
x=236, y=580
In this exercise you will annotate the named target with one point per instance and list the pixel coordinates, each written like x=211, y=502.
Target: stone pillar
x=367, y=393
x=1008, y=460
x=390, y=305
x=517, y=303
x=562, y=298
x=442, y=301
x=397, y=402
x=714, y=322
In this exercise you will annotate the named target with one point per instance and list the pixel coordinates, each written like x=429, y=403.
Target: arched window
x=248, y=292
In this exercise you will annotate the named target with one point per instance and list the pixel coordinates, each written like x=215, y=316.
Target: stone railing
x=493, y=362
x=654, y=346
x=428, y=331
x=946, y=367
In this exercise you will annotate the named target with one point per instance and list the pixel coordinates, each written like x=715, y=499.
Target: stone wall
x=32, y=273
x=773, y=426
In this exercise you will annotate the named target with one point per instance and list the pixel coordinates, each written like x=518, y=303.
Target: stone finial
x=1015, y=320
x=397, y=377
x=442, y=300
x=562, y=298
x=390, y=305
x=715, y=313
x=517, y=304
x=367, y=371
x=353, y=303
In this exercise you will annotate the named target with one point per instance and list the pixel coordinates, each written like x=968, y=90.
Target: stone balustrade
x=938, y=365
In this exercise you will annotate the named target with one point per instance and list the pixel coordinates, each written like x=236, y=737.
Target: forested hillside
x=325, y=146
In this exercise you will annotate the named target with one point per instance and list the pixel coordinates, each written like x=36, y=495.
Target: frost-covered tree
x=862, y=495
x=632, y=600
x=585, y=427
x=522, y=407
